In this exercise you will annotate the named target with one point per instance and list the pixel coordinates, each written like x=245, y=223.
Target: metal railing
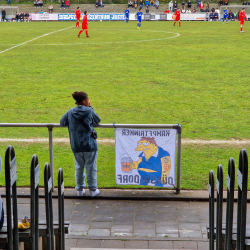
x=50, y=127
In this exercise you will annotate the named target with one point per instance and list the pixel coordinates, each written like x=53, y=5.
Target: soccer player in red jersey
x=242, y=18
x=78, y=16
x=84, y=25
x=177, y=17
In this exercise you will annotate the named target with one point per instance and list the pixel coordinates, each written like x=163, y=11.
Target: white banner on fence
x=44, y=17
x=186, y=17
x=145, y=157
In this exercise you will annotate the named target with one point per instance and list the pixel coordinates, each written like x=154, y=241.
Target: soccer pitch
x=196, y=75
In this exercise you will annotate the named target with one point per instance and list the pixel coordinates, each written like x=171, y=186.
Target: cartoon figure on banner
x=154, y=163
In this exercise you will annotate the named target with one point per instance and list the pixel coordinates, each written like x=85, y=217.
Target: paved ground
x=131, y=219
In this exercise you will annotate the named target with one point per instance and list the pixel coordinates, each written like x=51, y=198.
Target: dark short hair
x=85, y=12
x=79, y=96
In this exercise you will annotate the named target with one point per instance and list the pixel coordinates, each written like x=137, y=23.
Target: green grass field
x=196, y=75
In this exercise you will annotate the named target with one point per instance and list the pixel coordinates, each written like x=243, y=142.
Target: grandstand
x=108, y=8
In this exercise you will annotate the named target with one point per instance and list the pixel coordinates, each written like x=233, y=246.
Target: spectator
x=183, y=4
x=9, y=2
x=249, y=2
x=36, y=4
x=211, y=16
x=207, y=10
x=216, y=16
x=147, y=10
x=27, y=17
x=170, y=6
x=80, y=121
x=230, y=16
x=21, y=17
x=226, y=2
x=17, y=17
x=67, y=4
x=157, y=3
x=207, y=4
x=135, y=4
x=3, y=15
x=50, y=8
x=152, y=3
x=40, y=3
x=221, y=2
x=245, y=3
x=235, y=16
x=175, y=6
x=213, y=10
x=147, y=3
x=62, y=4
x=101, y=4
x=40, y=12
x=217, y=11
x=193, y=10
x=130, y=4
x=189, y=4
x=188, y=11
x=183, y=10
x=198, y=3
x=141, y=3
x=96, y=3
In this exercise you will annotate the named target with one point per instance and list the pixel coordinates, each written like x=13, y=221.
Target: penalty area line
x=18, y=45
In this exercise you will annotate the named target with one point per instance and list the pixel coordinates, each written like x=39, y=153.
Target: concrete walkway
x=153, y=219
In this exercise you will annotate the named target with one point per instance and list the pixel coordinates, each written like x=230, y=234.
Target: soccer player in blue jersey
x=225, y=15
x=127, y=14
x=139, y=17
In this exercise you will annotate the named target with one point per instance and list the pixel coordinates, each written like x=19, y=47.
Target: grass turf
x=196, y=75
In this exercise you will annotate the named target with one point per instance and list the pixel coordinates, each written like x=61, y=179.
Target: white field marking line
x=183, y=141
x=34, y=39
x=155, y=39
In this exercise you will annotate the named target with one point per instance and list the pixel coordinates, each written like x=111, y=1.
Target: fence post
x=49, y=207
x=219, y=187
x=50, y=128
x=179, y=130
x=230, y=204
x=61, y=210
x=242, y=199
x=10, y=183
x=211, y=210
x=34, y=202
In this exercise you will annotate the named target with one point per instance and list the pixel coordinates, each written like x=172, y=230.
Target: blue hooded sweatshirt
x=80, y=121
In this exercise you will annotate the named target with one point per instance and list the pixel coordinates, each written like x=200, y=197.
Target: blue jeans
x=89, y=160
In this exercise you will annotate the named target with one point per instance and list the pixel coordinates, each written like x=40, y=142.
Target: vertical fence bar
x=242, y=199
x=61, y=210
x=50, y=128
x=34, y=203
x=179, y=130
x=211, y=210
x=230, y=204
x=219, y=204
x=10, y=184
x=49, y=207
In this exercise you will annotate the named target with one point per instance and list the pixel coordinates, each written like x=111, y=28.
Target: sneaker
x=94, y=193
x=87, y=36
x=81, y=193
x=78, y=36
x=242, y=31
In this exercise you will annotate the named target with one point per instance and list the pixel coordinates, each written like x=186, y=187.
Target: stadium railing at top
x=50, y=127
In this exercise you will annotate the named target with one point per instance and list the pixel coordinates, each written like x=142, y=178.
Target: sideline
x=34, y=39
x=106, y=140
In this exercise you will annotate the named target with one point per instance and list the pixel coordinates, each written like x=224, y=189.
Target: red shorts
x=177, y=19
x=78, y=18
x=242, y=22
x=84, y=27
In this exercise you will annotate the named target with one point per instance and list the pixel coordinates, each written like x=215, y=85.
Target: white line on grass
x=106, y=140
x=33, y=39
x=65, y=44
